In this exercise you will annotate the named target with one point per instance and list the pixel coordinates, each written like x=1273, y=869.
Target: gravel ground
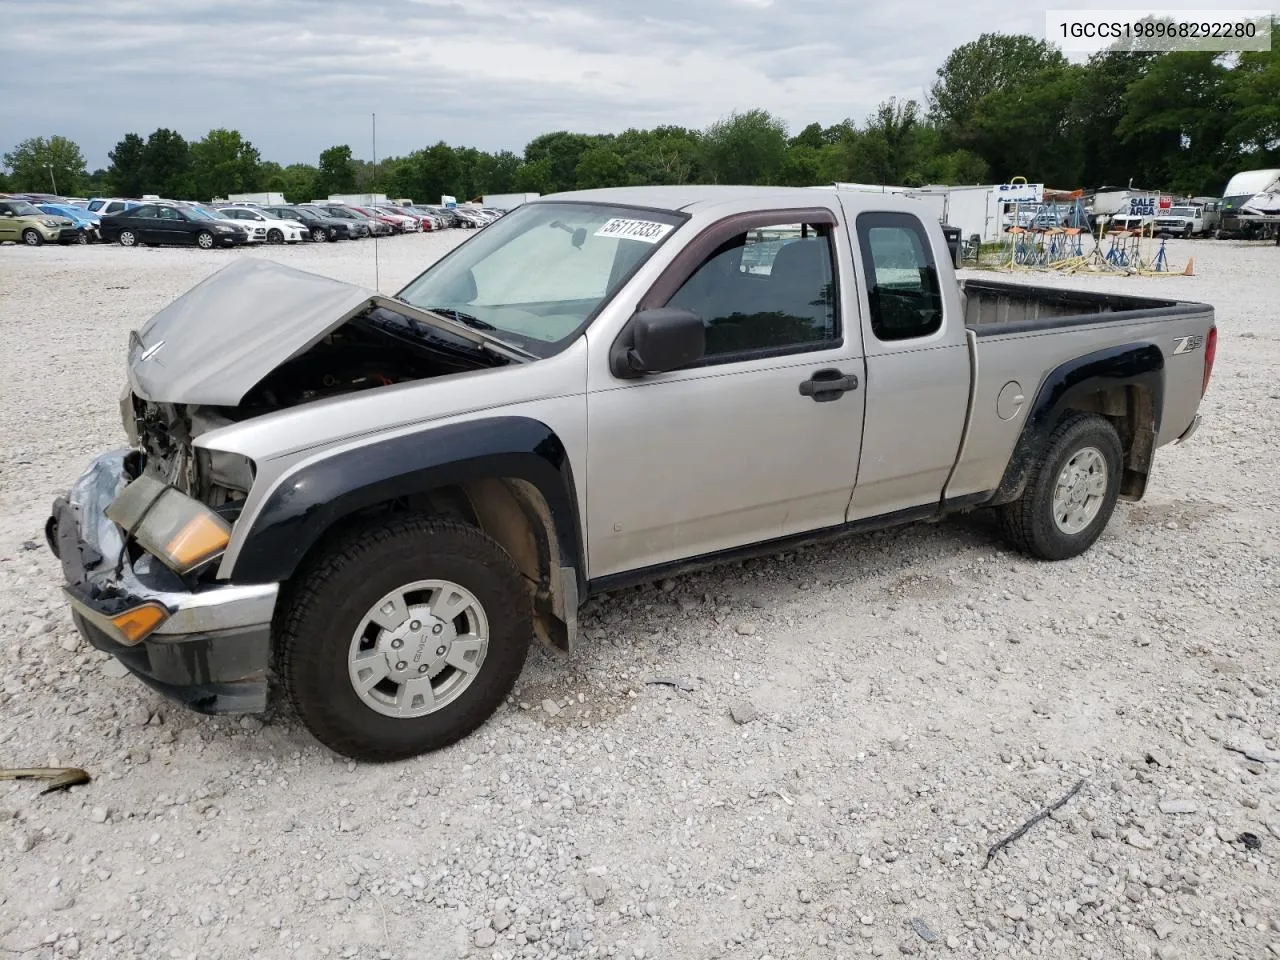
x=861, y=720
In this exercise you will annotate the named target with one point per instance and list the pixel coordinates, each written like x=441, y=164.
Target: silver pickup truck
x=384, y=499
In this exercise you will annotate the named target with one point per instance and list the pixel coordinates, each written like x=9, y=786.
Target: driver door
x=745, y=446
x=8, y=222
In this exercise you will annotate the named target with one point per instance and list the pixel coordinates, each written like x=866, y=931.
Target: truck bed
x=993, y=307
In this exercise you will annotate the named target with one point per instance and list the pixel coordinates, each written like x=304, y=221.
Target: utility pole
x=49, y=167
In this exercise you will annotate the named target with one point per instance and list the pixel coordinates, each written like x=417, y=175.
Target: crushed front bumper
x=213, y=649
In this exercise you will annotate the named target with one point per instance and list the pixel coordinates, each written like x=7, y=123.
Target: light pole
x=49, y=167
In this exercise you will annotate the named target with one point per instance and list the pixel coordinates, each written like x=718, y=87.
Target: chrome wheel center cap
x=418, y=647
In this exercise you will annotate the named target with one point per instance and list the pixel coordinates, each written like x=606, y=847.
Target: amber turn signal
x=201, y=537
x=135, y=624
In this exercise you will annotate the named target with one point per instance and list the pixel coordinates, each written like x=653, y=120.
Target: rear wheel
x=1071, y=493
x=128, y=238
x=275, y=235
x=31, y=237
x=204, y=240
x=404, y=638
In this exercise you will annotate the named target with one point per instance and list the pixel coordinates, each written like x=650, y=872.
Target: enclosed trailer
x=507, y=201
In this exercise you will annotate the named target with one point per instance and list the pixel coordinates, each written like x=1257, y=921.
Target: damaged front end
x=141, y=532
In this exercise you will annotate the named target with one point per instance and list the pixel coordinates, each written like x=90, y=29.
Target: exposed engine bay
x=379, y=348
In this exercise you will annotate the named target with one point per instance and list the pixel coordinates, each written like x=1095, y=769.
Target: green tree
x=745, y=148
x=166, y=165
x=600, y=166
x=297, y=182
x=127, y=170
x=224, y=163
x=1027, y=129
x=562, y=151
x=994, y=62
x=337, y=172
x=810, y=136
x=1185, y=97
x=37, y=164
x=1254, y=96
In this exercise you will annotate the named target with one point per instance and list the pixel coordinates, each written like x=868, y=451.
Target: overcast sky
x=296, y=76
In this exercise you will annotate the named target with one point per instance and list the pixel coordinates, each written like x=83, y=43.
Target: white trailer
x=261, y=199
x=507, y=201
x=359, y=199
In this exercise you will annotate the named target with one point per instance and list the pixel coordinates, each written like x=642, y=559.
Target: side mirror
x=658, y=340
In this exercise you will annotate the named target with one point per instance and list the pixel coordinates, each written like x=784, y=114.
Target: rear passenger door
x=144, y=221
x=760, y=439
x=171, y=226
x=918, y=372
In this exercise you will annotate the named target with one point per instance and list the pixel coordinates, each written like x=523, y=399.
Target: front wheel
x=204, y=240
x=32, y=237
x=1071, y=493
x=317, y=235
x=128, y=238
x=275, y=236
x=404, y=638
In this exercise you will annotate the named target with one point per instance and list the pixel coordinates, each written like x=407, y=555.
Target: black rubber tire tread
x=336, y=589
x=1027, y=522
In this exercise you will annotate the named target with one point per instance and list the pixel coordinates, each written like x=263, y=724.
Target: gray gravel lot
x=865, y=719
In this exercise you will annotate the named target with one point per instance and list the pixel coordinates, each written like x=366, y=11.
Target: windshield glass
x=23, y=209
x=199, y=213
x=294, y=213
x=538, y=274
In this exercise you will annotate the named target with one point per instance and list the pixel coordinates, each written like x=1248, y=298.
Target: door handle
x=827, y=385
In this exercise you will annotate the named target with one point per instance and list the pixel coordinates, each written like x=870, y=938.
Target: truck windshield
x=1188, y=212
x=538, y=274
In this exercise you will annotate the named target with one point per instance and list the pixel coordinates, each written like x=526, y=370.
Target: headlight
x=49, y=223
x=223, y=229
x=181, y=532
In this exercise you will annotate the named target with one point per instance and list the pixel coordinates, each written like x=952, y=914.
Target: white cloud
x=295, y=76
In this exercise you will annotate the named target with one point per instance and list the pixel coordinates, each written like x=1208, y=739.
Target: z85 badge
x=1187, y=344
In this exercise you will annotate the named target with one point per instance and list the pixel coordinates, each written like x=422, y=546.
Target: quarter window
x=770, y=289
x=902, y=278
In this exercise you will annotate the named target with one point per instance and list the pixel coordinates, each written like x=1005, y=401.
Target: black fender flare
x=313, y=498
x=1074, y=385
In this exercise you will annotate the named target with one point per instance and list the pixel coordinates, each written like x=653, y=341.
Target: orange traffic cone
x=1190, y=270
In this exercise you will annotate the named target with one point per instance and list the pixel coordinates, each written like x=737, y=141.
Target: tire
x=317, y=235
x=326, y=633
x=31, y=237
x=1087, y=446
x=204, y=240
x=82, y=238
x=332, y=235
x=128, y=238
x=275, y=236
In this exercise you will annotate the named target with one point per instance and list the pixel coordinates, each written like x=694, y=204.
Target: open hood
x=218, y=340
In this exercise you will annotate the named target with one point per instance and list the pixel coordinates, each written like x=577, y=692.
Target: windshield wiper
x=474, y=323
x=508, y=351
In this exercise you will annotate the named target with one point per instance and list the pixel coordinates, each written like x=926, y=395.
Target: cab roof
x=691, y=198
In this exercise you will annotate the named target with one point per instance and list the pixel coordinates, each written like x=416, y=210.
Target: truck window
x=767, y=289
x=902, y=279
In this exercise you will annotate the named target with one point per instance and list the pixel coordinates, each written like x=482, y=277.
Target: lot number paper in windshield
x=646, y=231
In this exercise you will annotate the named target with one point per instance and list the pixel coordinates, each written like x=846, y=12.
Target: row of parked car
x=39, y=219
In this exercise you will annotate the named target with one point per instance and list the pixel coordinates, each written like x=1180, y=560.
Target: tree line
x=1001, y=106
